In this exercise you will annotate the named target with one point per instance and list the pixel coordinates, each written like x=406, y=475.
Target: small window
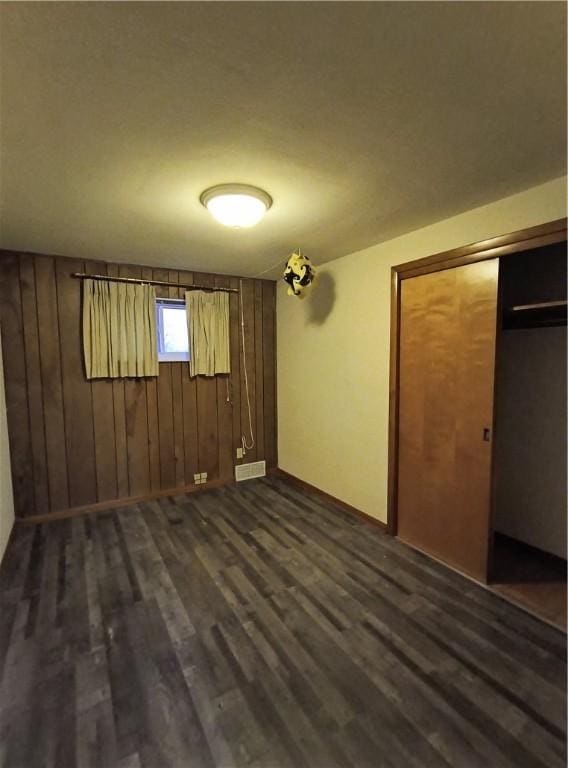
x=171, y=324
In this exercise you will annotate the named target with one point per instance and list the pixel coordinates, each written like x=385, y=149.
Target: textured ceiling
x=362, y=120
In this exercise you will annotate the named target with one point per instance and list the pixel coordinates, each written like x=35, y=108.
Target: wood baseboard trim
x=103, y=506
x=328, y=497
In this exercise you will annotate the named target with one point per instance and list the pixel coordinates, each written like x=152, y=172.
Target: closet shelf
x=543, y=314
x=540, y=305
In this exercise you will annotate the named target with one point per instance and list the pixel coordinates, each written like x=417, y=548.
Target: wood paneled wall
x=75, y=442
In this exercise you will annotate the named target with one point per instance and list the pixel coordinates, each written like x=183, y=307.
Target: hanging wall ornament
x=299, y=274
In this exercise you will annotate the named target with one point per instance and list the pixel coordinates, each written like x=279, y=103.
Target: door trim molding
x=503, y=245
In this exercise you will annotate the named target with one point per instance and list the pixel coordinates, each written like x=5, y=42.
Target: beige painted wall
x=333, y=350
x=6, y=499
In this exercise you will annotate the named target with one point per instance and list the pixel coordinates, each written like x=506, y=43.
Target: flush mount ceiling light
x=236, y=205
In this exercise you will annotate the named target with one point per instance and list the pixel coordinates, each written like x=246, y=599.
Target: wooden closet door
x=447, y=363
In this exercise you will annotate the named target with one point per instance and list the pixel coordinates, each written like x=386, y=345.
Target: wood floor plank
x=258, y=626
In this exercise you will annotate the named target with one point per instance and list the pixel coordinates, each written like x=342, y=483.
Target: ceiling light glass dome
x=236, y=205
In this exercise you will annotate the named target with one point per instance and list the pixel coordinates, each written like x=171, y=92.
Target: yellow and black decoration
x=299, y=274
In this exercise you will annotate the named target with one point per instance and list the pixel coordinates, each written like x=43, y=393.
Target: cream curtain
x=119, y=329
x=208, y=326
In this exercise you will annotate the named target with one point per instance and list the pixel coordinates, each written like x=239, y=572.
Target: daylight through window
x=173, y=343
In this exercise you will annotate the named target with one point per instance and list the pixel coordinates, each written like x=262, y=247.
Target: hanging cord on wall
x=245, y=445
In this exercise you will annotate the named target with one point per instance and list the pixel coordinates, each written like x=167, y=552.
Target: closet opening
x=528, y=563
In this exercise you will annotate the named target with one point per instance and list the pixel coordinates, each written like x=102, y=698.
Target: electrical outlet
x=239, y=453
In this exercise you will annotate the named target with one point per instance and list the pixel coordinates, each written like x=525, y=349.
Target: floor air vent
x=248, y=471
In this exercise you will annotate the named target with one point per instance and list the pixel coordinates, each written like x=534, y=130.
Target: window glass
x=173, y=342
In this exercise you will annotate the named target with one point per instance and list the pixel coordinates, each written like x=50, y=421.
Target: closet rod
x=84, y=276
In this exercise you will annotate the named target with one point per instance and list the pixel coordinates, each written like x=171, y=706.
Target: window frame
x=169, y=357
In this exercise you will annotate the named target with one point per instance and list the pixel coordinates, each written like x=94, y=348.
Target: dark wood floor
x=256, y=625
x=530, y=577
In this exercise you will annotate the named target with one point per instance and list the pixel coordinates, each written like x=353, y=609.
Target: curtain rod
x=84, y=276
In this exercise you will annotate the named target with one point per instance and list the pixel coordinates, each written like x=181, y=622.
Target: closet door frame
x=503, y=245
